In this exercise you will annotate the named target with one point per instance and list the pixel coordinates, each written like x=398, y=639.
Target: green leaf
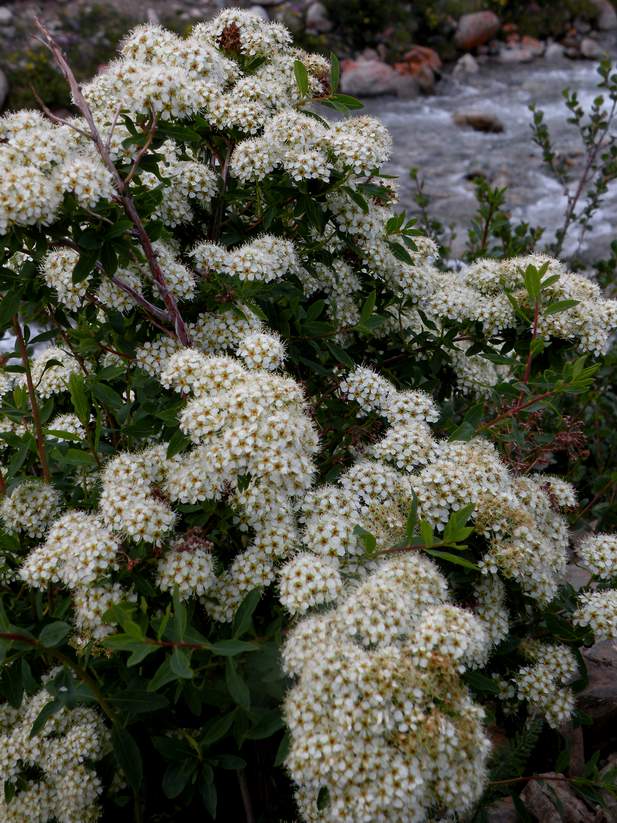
x=139, y=701
x=85, y=265
x=412, y=518
x=163, y=675
x=335, y=72
x=452, y=558
x=53, y=634
x=177, y=776
x=215, y=729
x=208, y=797
x=559, y=306
x=368, y=306
x=283, y=750
x=426, y=533
x=243, y=616
x=180, y=665
x=178, y=442
x=230, y=648
x=9, y=305
x=128, y=756
x=48, y=711
x=302, y=78
x=267, y=725
x=236, y=686
x=480, y=682
x=368, y=540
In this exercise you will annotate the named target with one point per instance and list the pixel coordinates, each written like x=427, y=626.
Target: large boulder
x=553, y=800
x=476, y=29
x=607, y=16
x=317, y=20
x=369, y=78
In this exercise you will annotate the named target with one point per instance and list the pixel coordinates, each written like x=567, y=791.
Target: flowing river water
x=447, y=155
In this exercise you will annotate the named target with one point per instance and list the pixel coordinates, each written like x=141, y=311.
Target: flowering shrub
x=272, y=504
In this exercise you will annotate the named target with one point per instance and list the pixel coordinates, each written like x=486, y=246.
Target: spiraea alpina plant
x=276, y=542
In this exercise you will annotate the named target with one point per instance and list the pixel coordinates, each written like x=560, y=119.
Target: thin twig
x=246, y=797
x=151, y=132
x=126, y=200
x=34, y=405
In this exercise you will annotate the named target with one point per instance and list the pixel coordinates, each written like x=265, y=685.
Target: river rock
x=475, y=29
x=591, y=49
x=368, y=78
x=516, y=54
x=6, y=16
x=4, y=88
x=554, y=52
x=554, y=801
x=535, y=46
x=478, y=121
x=607, y=16
x=259, y=11
x=317, y=19
x=467, y=64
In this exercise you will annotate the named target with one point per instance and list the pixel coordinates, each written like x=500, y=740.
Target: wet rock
x=317, y=19
x=516, y=54
x=407, y=87
x=532, y=44
x=4, y=88
x=417, y=57
x=607, y=16
x=554, y=801
x=554, y=52
x=368, y=78
x=501, y=811
x=591, y=49
x=467, y=64
x=6, y=16
x=475, y=29
x=478, y=121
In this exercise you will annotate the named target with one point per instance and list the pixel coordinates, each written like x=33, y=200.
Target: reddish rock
x=532, y=44
x=420, y=56
x=368, y=78
x=475, y=29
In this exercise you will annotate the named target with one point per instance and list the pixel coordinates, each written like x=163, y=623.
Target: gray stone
x=4, y=88
x=554, y=801
x=516, y=54
x=479, y=121
x=554, y=52
x=259, y=11
x=317, y=19
x=591, y=49
x=406, y=86
x=607, y=16
x=599, y=698
x=6, y=16
x=467, y=64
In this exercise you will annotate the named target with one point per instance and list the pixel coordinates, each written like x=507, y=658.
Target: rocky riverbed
x=448, y=155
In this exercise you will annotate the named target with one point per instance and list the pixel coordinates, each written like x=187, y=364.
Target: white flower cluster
x=265, y=259
x=598, y=611
x=67, y=424
x=379, y=719
x=543, y=684
x=30, y=508
x=51, y=370
x=598, y=553
x=39, y=164
x=52, y=770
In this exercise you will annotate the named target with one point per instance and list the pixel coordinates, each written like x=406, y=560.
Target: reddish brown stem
x=34, y=406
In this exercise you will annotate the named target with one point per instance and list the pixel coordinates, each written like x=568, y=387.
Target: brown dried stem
x=125, y=198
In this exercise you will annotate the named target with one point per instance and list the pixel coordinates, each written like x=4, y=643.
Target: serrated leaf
x=452, y=558
x=180, y=665
x=230, y=648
